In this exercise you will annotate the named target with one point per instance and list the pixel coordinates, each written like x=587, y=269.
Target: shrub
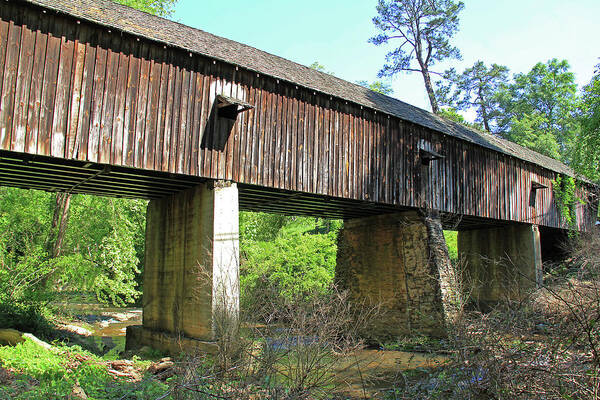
x=293, y=264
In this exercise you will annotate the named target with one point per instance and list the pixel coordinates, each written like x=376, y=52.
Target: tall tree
x=424, y=29
x=475, y=87
x=586, y=146
x=538, y=109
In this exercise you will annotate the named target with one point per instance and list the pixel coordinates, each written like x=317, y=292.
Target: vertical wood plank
x=48, y=95
x=131, y=99
x=150, y=136
x=62, y=101
x=75, y=98
x=169, y=110
x=142, y=107
x=108, y=107
x=198, y=115
x=3, y=49
x=96, y=106
x=22, y=89
x=9, y=81
x=183, y=118
x=118, y=129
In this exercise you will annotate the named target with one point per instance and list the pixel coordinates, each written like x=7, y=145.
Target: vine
x=564, y=190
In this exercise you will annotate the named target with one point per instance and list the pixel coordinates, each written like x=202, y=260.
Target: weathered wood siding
x=78, y=91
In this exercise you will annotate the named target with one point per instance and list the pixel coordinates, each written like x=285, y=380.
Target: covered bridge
x=103, y=99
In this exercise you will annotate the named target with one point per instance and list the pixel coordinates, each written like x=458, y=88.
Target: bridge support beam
x=399, y=262
x=501, y=263
x=191, y=275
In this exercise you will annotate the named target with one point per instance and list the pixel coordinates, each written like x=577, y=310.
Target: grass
x=39, y=373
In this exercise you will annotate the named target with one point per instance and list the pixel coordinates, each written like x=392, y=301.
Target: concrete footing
x=395, y=261
x=138, y=337
x=501, y=263
x=191, y=273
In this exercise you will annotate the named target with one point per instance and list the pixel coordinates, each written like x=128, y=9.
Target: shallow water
x=378, y=370
x=104, y=321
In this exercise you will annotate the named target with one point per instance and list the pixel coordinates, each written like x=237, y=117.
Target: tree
x=62, y=203
x=162, y=8
x=377, y=86
x=538, y=110
x=475, y=87
x=424, y=29
x=586, y=148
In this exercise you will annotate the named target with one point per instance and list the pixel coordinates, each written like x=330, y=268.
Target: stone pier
x=191, y=273
x=398, y=262
x=501, y=263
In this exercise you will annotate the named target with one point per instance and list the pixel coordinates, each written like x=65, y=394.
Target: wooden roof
x=129, y=20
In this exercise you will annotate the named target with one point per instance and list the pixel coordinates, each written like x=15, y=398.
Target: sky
x=515, y=33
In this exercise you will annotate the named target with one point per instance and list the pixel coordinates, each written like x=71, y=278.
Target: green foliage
x=296, y=257
x=538, y=109
x=119, y=264
x=530, y=131
x=24, y=225
x=452, y=115
x=103, y=245
x=46, y=374
x=261, y=226
x=452, y=243
x=109, y=235
x=586, y=146
x=474, y=88
x=162, y=8
x=377, y=86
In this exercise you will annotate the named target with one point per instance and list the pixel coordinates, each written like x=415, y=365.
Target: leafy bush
x=297, y=261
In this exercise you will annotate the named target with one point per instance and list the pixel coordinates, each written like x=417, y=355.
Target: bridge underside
x=383, y=250
x=56, y=174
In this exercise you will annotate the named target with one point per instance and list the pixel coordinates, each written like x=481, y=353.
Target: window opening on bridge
x=230, y=107
x=429, y=155
x=535, y=186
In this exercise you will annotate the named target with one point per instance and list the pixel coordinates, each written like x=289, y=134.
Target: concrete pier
x=502, y=263
x=393, y=260
x=191, y=274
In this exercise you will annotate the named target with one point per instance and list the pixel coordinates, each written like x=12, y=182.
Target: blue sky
x=516, y=33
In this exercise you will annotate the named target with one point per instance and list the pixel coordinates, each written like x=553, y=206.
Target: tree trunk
x=59, y=224
x=486, y=124
x=484, y=115
x=429, y=87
